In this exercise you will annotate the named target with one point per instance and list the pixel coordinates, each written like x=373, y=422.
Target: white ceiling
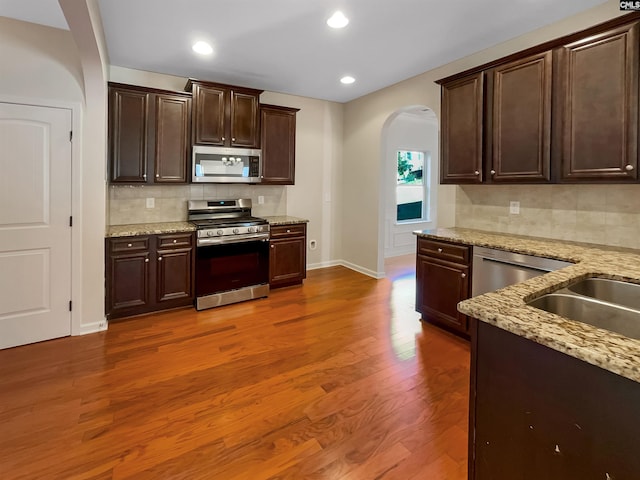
x=285, y=45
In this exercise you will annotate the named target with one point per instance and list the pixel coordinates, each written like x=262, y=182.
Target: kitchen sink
x=601, y=314
x=612, y=291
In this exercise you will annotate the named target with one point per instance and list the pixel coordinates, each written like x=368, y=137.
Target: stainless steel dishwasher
x=494, y=269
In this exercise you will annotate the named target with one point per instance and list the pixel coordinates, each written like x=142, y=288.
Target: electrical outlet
x=313, y=244
x=261, y=199
x=151, y=202
x=514, y=208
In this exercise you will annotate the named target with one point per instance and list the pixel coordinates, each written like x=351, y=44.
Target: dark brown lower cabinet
x=442, y=280
x=287, y=255
x=149, y=273
x=538, y=413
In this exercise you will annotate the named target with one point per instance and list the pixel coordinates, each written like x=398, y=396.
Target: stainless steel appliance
x=232, y=252
x=494, y=269
x=225, y=165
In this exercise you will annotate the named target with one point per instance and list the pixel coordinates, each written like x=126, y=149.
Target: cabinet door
x=462, y=112
x=174, y=277
x=128, y=124
x=244, y=129
x=278, y=143
x=598, y=106
x=172, y=138
x=209, y=114
x=520, y=139
x=287, y=261
x=175, y=262
x=128, y=287
x=440, y=286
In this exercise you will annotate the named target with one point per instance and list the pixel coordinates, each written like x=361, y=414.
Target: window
x=411, y=187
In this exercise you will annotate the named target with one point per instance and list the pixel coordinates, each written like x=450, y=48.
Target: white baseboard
x=349, y=265
x=87, y=328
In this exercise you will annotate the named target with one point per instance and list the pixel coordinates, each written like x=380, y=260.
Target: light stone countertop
x=506, y=308
x=149, y=229
x=284, y=220
x=175, y=227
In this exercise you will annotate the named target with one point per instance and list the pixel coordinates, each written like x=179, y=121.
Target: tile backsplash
x=603, y=214
x=128, y=203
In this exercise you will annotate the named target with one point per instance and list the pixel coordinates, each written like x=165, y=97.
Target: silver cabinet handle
x=476, y=173
x=273, y=246
x=159, y=259
x=493, y=172
x=223, y=139
x=463, y=275
x=157, y=175
x=129, y=245
x=288, y=231
x=628, y=168
x=439, y=250
x=144, y=175
x=146, y=260
x=175, y=241
x=233, y=139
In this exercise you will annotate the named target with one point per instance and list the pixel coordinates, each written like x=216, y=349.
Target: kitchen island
x=550, y=397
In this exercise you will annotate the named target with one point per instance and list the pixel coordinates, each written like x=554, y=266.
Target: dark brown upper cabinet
x=519, y=117
x=462, y=127
x=598, y=106
x=278, y=142
x=225, y=115
x=149, y=133
x=566, y=111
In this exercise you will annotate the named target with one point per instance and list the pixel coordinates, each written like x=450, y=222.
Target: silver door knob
x=476, y=173
x=493, y=172
x=628, y=168
x=159, y=259
x=233, y=139
x=223, y=139
x=463, y=275
x=146, y=260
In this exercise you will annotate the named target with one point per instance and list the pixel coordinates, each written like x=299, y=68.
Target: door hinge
x=71, y=135
x=70, y=305
x=71, y=221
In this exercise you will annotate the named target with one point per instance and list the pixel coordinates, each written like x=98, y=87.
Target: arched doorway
x=410, y=133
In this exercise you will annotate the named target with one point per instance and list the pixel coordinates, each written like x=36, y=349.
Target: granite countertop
x=174, y=227
x=149, y=229
x=506, y=308
x=284, y=220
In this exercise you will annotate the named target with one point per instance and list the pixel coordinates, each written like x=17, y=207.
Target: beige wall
x=364, y=119
x=315, y=195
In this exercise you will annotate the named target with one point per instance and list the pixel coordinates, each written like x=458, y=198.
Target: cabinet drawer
x=175, y=240
x=445, y=251
x=129, y=244
x=288, y=230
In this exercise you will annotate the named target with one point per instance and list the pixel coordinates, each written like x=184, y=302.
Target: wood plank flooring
x=336, y=379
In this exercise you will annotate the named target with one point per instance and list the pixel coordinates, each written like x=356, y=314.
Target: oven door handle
x=206, y=241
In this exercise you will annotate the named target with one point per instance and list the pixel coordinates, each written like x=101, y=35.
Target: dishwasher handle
x=515, y=264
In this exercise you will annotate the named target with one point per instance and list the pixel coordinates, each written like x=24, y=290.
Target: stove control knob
x=220, y=232
x=210, y=233
x=252, y=229
x=236, y=230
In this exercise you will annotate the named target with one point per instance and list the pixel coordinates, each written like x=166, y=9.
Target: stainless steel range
x=232, y=252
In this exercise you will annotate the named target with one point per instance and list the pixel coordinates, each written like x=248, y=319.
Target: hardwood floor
x=336, y=379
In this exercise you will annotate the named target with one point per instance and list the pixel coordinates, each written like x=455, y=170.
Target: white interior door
x=35, y=236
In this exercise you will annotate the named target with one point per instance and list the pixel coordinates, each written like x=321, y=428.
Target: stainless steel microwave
x=225, y=165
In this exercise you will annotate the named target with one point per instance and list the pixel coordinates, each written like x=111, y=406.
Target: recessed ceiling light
x=203, y=48
x=347, y=80
x=338, y=20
